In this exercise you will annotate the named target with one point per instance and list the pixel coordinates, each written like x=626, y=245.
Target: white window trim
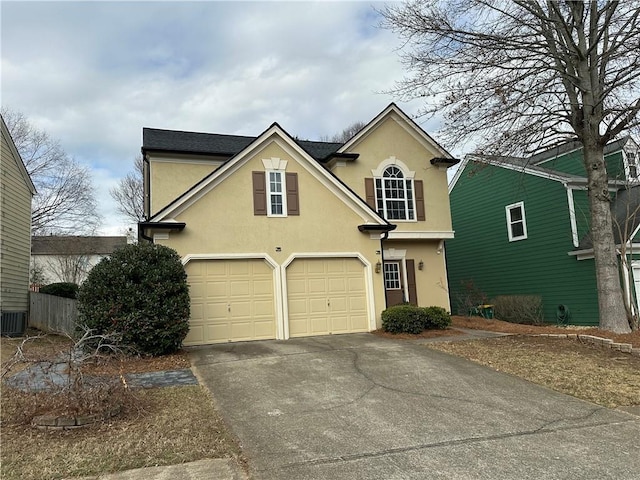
x=400, y=255
x=508, y=208
x=407, y=178
x=398, y=272
x=627, y=169
x=282, y=193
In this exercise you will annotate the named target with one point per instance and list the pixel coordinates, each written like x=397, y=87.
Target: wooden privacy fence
x=52, y=314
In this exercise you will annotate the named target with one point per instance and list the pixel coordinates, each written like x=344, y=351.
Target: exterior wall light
x=420, y=265
x=378, y=267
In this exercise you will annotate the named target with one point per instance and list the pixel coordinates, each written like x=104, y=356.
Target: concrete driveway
x=364, y=407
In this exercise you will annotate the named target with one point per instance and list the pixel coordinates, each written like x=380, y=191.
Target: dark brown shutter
x=411, y=281
x=370, y=192
x=293, y=205
x=419, y=193
x=259, y=193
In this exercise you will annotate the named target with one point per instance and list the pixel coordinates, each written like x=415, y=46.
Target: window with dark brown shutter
x=419, y=199
x=369, y=192
x=293, y=205
x=259, y=193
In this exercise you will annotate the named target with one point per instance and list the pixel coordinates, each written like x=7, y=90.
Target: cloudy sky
x=92, y=74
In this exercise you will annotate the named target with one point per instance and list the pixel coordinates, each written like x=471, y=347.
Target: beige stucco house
x=285, y=238
x=16, y=193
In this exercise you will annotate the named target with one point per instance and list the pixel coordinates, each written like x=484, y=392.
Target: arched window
x=394, y=195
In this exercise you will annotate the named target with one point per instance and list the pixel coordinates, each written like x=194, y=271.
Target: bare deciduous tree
x=347, y=133
x=519, y=76
x=129, y=193
x=65, y=201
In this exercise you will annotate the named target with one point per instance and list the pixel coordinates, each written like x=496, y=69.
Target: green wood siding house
x=16, y=193
x=522, y=228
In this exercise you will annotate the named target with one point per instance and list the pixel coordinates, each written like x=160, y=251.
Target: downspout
x=384, y=237
x=142, y=236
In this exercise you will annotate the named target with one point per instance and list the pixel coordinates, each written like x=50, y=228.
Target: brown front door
x=394, y=282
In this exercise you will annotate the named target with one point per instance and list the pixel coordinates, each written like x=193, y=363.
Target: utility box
x=13, y=324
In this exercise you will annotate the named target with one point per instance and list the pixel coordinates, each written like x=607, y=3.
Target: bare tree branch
x=65, y=201
x=520, y=76
x=129, y=193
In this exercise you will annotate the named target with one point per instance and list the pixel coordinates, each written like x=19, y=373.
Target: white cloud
x=94, y=73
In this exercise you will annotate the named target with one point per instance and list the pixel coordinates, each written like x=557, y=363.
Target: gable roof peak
x=411, y=125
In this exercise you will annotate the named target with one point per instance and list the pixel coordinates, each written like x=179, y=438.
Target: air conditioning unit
x=13, y=324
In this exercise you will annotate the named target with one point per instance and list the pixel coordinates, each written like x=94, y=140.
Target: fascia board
x=458, y=173
x=425, y=235
x=520, y=169
x=18, y=159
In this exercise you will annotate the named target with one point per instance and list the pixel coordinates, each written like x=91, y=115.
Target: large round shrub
x=437, y=318
x=411, y=319
x=61, y=289
x=140, y=292
x=403, y=319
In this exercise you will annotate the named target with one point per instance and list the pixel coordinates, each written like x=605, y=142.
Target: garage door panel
x=317, y=285
x=263, y=287
x=339, y=324
x=216, y=288
x=338, y=304
x=217, y=331
x=197, y=313
x=233, y=300
x=317, y=305
x=355, y=285
x=215, y=312
x=357, y=304
x=240, y=287
x=263, y=308
x=359, y=322
x=315, y=267
x=326, y=295
x=211, y=268
x=335, y=266
x=319, y=325
x=297, y=286
x=195, y=335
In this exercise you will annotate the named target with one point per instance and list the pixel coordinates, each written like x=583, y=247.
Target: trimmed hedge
x=412, y=319
x=61, y=289
x=141, y=293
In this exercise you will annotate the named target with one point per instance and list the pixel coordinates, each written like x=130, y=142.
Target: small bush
x=140, y=292
x=468, y=297
x=412, y=319
x=62, y=289
x=526, y=309
x=437, y=318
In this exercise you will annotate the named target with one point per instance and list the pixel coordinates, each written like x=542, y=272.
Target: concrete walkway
x=365, y=407
x=209, y=469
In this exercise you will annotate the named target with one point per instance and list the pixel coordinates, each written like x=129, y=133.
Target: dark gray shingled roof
x=75, y=245
x=571, y=146
x=217, y=144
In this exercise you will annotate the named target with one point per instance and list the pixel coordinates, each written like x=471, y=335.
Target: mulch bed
x=480, y=323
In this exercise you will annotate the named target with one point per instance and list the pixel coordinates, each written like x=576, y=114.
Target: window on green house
x=631, y=164
x=516, y=222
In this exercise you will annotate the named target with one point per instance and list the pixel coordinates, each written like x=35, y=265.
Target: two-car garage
x=239, y=299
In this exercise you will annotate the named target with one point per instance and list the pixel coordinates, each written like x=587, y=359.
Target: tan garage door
x=231, y=300
x=326, y=296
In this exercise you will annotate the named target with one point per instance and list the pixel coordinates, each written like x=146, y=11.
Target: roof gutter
x=376, y=228
x=442, y=161
x=171, y=226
